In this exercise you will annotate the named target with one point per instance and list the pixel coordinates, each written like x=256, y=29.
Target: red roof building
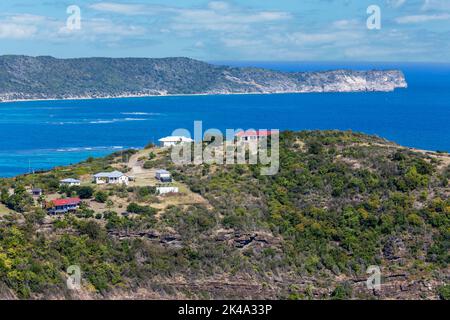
x=63, y=205
x=65, y=202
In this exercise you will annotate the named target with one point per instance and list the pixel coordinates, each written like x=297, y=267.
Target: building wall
x=71, y=184
x=168, y=144
x=162, y=175
x=165, y=190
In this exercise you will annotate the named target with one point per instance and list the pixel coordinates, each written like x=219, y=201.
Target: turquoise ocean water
x=43, y=134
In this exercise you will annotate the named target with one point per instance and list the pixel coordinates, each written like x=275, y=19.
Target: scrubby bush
x=101, y=196
x=145, y=210
x=84, y=192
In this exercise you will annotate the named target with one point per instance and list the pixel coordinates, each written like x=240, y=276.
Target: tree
x=19, y=200
x=91, y=229
x=315, y=147
x=134, y=207
x=101, y=197
x=85, y=192
x=144, y=210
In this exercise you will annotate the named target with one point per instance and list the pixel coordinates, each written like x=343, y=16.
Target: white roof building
x=174, y=140
x=70, y=182
x=115, y=177
x=162, y=172
x=163, y=175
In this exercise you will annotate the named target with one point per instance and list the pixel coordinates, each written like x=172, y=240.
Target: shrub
x=85, y=192
x=148, y=164
x=101, y=197
x=342, y=292
x=145, y=210
x=444, y=292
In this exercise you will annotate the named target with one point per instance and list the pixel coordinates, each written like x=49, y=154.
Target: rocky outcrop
x=399, y=286
x=169, y=239
x=394, y=249
x=241, y=240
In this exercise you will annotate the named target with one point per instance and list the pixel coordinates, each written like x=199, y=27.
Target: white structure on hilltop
x=252, y=135
x=70, y=182
x=115, y=177
x=163, y=176
x=174, y=140
x=166, y=189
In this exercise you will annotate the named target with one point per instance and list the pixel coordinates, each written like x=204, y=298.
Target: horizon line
x=237, y=60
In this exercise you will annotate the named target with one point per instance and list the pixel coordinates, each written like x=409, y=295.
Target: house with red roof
x=61, y=206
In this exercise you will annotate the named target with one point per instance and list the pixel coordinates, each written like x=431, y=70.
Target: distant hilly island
x=44, y=77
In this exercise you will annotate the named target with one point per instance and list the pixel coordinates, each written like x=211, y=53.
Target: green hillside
x=24, y=78
x=341, y=202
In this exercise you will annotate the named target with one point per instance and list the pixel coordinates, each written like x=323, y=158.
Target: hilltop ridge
x=45, y=77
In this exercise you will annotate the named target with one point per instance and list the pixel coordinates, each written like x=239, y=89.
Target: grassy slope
x=341, y=202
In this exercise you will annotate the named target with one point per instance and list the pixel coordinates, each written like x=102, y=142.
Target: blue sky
x=283, y=30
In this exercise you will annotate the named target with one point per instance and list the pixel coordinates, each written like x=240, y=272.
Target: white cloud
x=218, y=5
x=127, y=9
x=16, y=31
x=420, y=18
x=27, y=18
x=228, y=29
x=199, y=44
x=34, y=27
x=215, y=16
x=103, y=26
x=21, y=26
x=304, y=38
x=346, y=24
x=396, y=3
x=439, y=5
x=209, y=20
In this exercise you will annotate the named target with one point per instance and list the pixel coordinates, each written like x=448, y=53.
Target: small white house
x=70, y=182
x=165, y=190
x=115, y=177
x=174, y=140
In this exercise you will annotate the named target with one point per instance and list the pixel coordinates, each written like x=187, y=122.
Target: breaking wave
x=141, y=113
x=80, y=149
x=96, y=121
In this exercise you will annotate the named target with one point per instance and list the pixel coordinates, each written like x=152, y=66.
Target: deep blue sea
x=43, y=134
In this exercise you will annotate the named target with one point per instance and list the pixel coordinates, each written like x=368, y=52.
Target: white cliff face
x=330, y=81
x=26, y=78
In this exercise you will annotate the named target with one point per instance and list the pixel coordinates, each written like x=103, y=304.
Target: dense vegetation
x=340, y=203
x=23, y=77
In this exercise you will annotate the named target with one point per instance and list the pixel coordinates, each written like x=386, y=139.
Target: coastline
x=192, y=95
x=444, y=156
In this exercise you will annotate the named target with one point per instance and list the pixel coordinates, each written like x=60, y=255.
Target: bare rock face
x=242, y=240
x=25, y=78
x=394, y=249
x=168, y=239
x=6, y=293
x=399, y=286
